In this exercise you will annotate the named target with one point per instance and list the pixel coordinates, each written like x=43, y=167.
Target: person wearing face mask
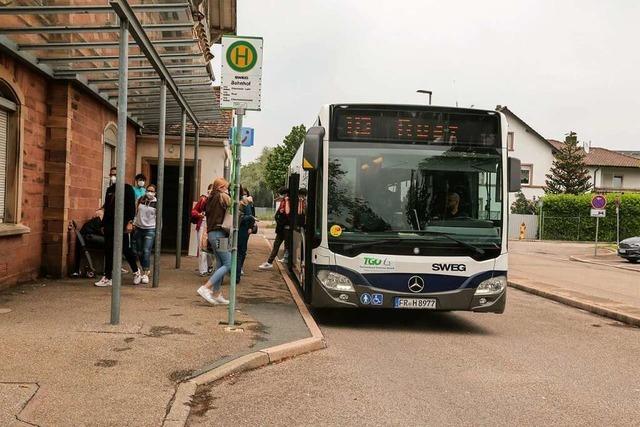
x=139, y=187
x=145, y=233
x=108, y=219
x=247, y=221
x=198, y=218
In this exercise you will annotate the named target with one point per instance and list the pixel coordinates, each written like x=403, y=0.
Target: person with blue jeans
x=216, y=208
x=145, y=233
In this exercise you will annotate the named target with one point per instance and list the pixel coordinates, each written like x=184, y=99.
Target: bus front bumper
x=367, y=297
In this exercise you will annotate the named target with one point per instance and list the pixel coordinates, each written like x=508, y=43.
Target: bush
x=522, y=205
x=568, y=217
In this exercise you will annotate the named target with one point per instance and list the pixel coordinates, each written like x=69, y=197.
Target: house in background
x=535, y=152
x=610, y=170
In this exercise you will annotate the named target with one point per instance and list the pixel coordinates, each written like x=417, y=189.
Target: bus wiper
x=476, y=249
x=350, y=246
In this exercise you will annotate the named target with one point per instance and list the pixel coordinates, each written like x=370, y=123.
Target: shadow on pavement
x=421, y=321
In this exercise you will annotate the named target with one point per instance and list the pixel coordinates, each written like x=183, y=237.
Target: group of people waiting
x=139, y=228
x=212, y=217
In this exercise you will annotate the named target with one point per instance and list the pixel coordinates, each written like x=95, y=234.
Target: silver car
x=629, y=249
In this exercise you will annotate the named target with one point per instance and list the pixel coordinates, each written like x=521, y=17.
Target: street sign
x=246, y=136
x=598, y=202
x=598, y=213
x=241, y=79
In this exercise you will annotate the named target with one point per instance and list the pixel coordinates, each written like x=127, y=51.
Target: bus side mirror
x=312, y=152
x=515, y=176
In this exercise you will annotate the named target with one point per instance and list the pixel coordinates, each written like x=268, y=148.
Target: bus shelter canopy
x=79, y=41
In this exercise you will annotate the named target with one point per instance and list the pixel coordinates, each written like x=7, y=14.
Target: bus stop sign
x=598, y=202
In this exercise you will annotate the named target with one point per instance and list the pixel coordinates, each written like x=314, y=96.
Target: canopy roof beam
x=89, y=9
x=93, y=58
x=92, y=29
x=103, y=45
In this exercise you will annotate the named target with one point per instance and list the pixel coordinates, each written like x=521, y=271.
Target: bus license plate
x=416, y=303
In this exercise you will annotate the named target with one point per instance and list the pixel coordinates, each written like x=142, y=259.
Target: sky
x=559, y=65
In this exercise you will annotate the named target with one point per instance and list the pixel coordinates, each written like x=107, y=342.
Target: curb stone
x=581, y=303
x=181, y=406
x=587, y=261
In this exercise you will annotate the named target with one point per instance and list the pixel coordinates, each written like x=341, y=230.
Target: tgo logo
x=449, y=267
x=376, y=262
x=372, y=261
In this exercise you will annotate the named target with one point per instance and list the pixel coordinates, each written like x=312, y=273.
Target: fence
x=530, y=221
x=265, y=213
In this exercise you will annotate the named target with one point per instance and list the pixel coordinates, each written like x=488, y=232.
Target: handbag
x=227, y=223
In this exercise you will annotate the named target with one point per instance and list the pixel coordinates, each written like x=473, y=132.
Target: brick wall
x=20, y=256
x=62, y=152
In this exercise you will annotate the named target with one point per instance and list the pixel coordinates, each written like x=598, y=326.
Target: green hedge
x=568, y=217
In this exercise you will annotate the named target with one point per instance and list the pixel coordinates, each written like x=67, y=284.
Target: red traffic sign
x=598, y=202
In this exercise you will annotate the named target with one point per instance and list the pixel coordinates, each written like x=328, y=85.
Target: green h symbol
x=244, y=55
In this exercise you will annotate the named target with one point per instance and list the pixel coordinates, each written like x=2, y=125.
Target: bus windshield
x=405, y=191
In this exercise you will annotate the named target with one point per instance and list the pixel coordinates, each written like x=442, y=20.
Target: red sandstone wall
x=20, y=256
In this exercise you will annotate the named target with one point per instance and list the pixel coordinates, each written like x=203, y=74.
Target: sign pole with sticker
x=240, y=90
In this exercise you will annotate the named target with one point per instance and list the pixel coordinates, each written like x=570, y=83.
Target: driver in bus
x=452, y=208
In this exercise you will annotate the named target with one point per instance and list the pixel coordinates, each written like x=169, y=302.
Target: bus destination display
x=417, y=126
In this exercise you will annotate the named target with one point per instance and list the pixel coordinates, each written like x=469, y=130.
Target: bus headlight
x=335, y=281
x=492, y=286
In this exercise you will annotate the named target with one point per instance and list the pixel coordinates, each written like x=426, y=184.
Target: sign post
x=240, y=90
x=617, y=203
x=598, y=205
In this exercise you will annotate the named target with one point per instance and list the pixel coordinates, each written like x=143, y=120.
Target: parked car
x=629, y=249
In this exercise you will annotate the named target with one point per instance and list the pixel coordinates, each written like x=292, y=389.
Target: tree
x=252, y=176
x=568, y=173
x=280, y=157
x=522, y=205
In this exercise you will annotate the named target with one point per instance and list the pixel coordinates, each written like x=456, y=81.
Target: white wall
x=531, y=150
x=604, y=177
x=212, y=154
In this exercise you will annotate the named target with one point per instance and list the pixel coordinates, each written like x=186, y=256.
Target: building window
x=109, y=159
x=510, y=141
x=526, y=174
x=617, y=181
x=9, y=156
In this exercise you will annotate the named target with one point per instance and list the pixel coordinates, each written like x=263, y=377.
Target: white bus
x=406, y=208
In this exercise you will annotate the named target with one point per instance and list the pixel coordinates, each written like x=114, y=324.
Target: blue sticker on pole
x=246, y=136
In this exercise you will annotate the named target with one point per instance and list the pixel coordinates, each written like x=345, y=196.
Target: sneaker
x=265, y=266
x=205, y=293
x=203, y=273
x=283, y=260
x=137, y=278
x=145, y=279
x=103, y=282
x=242, y=272
x=221, y=300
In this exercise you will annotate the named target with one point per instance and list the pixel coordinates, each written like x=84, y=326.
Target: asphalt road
x=540, y=363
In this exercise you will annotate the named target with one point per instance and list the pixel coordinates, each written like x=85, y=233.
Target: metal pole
x=160, y=184
x=118, y=226
x=595, y=252
x=617, y=225
x=235, y=185
x=196, y=154
x=183, y=139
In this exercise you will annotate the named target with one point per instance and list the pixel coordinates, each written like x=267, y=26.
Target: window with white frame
x=616, y=182
x=510, y=138
x=526, y=174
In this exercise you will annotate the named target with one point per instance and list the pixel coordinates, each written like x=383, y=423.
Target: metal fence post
x=183, y=138
x=578, y=228
x=118, y=223
x=160, y=184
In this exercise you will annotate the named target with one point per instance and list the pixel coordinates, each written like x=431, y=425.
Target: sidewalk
x=547, y=269
x=63, y=364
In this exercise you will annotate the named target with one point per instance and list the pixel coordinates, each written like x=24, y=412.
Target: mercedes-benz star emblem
x=416, y=284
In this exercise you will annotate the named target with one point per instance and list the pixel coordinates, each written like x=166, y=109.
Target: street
x=539, y=363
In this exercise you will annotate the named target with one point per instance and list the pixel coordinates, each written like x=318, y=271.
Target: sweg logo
x=449, y=267
x=376, y=261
